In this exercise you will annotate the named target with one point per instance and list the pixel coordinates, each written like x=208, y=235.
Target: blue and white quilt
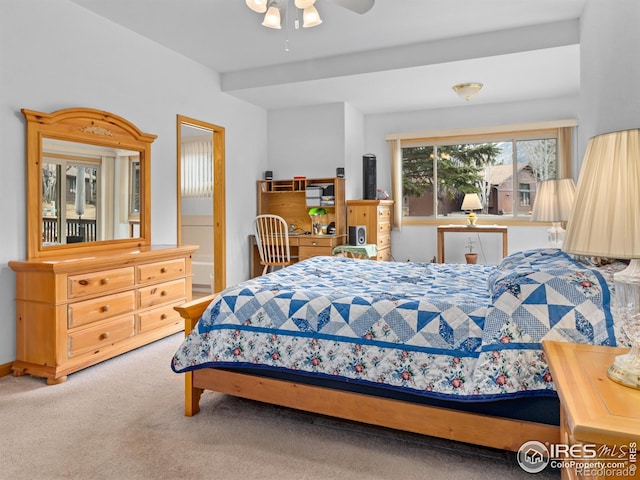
x=469, y=332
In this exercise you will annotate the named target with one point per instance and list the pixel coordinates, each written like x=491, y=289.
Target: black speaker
x=268, y=175
x=357, y=235
x=340, y=172
x=369, y=179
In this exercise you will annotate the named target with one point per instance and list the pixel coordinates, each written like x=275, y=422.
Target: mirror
x=89, y=193
x=87, y=182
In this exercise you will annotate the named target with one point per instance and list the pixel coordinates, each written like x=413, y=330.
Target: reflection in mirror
x=89, y=193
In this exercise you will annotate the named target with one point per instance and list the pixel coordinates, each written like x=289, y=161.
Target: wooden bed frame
x=485, y=430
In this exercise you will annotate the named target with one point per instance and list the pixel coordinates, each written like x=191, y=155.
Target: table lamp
x=606, y=223
x=470, y=203
x=553, y=203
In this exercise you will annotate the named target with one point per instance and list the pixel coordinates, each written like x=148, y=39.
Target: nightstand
x=598, y=417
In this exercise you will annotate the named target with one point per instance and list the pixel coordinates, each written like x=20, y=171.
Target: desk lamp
x=470, y=203
x=553, y=203
x=606, y=223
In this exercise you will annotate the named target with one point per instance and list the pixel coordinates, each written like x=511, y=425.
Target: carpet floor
x=123, y=419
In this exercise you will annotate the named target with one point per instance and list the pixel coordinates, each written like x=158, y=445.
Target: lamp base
x=555, y=235
x=625, y=369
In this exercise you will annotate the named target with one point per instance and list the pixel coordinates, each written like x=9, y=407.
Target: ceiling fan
x=310, y=16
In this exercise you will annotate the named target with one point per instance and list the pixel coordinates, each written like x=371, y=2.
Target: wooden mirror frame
x=87, y=126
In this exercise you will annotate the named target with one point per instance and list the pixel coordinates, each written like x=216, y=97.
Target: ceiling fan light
x=310, y=17
x=259, y=6
x=302, y=4
x=467, y=90
x=272, y=18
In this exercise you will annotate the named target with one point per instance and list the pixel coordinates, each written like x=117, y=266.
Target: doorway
x=201, y=201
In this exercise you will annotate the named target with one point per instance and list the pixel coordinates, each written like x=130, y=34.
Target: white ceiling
x=401, y=55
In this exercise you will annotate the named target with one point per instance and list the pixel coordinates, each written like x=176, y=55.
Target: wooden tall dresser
x=76, y=310
x=375, y=215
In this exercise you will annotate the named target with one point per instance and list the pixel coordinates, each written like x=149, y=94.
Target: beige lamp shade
x=554, y=200
x=259, y=6
x=606, y=219
x=272, y=18
x=471, y=202
x=310, y=17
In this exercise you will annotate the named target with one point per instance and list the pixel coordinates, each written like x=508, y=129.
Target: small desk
x=477, y=229
x=301, y=246
x=356, y=251
x=594, y=409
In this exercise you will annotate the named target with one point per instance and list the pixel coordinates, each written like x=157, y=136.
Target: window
x=134, y=188
x=69, y=199
x=196, y=174
x=525, y=194
x=503, y=168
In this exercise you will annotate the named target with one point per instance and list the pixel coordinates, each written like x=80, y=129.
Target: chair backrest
x=272, y=237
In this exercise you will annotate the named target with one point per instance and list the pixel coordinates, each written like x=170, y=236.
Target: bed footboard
x=191, y=312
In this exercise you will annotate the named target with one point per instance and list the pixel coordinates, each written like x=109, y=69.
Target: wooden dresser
x=375, y=215
x=76, y=310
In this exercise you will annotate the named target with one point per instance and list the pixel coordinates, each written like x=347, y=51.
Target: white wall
x=609, y=68
x=306, y=141
x=57, y=55
x=353, y=151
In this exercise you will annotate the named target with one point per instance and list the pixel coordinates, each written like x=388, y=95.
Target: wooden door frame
x=219, y=196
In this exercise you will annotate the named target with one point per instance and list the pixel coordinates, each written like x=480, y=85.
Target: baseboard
x=5, y=369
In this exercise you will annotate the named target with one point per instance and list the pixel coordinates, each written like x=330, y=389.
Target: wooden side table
x=442, y=229
x=596, y=413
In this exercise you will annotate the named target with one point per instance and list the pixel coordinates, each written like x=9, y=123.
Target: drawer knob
x=105, y=308
x=104, y=281
x=163, y=293
x=314, y=243
x=104, y=336
x=163, y=316
x=83, y=282
x=163, y=270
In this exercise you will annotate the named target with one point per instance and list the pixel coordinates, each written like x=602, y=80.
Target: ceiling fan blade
x=358, y=6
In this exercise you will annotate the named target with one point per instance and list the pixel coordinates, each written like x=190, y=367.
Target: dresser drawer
x=100, y=282
x=89, y=311
x=101, y=335
x=159, y=317
x=384, y=213
x=308, y=252
x=319, y=241
x=161, y=293
x=384, y=255
x=158, y=271
x=384, y=228
x=384, y=241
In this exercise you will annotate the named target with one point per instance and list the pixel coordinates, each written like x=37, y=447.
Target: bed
x=446, y=350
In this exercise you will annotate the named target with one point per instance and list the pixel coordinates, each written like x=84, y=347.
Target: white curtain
x=197, y=168
x=396, y=182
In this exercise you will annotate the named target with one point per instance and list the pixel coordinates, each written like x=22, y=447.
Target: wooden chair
x=272, y=237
